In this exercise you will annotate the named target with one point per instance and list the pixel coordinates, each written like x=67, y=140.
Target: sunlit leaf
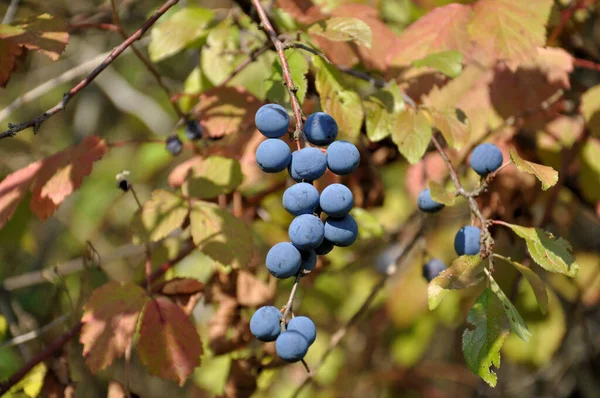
x=448, y=62
x=344, y=29
x=382, y=110
x=215, y=175
x=454, y=126
x=546, y=174
x=464, y=272
x=440, y=194
x=44, y=33
x=274, y=85
x=412, y=134
x=487, y=328
x=517, y=324
x=159, y=216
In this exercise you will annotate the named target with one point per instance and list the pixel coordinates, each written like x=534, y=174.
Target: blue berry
x=306, y=231
x=193, y=130
x=273, y=155
x=427, y=204
x=433, y=268
x=467, y=241
x=305, y=326
x=291, y=346
x=486, y=158
x=341, y=231
x=265, y=323
x=336, y=200
x=308, y=164
x=272, y=120
x=342, y=157
x=301, y=198
x=320, y=129
x=174, y=145
x=309, y=261
x=283, y=260
x=324, y=248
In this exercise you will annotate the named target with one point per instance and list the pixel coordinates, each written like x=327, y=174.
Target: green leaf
x=159, y=216
x=214, y=176
x=590, y=108
x=382, y=109
x=447, y=62
x=218, y=56
x=368, y=225
x=220, y=235
x=344, y=29
x=274, y=85
x=486, y=331
x=343, y=104
x=538, y=286
x=32, y=383
x=551, y=253
x=412, y=134
x=440, y=195
x=463, y=273
x=182, y=29
x=454, y=126
x=109, y=321
x=508, y=29
x=517, y=324
x=169, y=344
x=546, y=174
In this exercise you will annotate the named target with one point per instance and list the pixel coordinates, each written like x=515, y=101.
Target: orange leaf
x=43, y=33
x=63, y=173
x=180, y=286
x=169, y=345
x=13, y=188
x=110, y=318
x=444, y=28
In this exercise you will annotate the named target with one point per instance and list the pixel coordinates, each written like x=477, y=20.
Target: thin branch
x=587, y=64
x=287, y=75
x=565, y=16
x=145, y=61
x=91, y=25
x=58, y=344
x=408, y=243
x=290, y=302
x=304, y=47
x=13, y=129
x=10, y=12
x=34, y=334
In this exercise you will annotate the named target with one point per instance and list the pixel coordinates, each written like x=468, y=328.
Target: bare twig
x=34, y=334
x=290, y=302
x=11, y=12
x=13, y=129
x=91, y=25
x=565, y=16
x=304, y=47
x=287, y=75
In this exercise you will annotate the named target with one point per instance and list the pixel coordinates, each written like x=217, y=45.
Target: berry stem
x=290, y=302
x=287, y=74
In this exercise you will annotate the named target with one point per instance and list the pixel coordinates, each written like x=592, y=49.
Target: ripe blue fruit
x=324, y=248
x=272, y=120
x=320, y=128
x=193, y=130
x=174, y=145
x=467, y=240
x=341, y=231
x=305, y=326
x=306, y=231
x=427, y=204
x=291, y=346
x=301, y=198
x=309, y=261
x=307, y=164
x=336, y=200
x=283, y=260
x=265, y=323
x=486, y=158
x=433, y=268
x=342, y=157
x=273, y=155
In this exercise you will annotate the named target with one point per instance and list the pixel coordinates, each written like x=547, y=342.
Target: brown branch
x=57, y=345
x=413, y=232
x=565, y=16
x=287, y=75
x=146, y=61
x=91, y=25
x=13, y=129
x=587, y=64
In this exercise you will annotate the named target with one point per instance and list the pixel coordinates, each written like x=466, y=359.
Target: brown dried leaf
x=9, y=53
x=43, y=33
x=109, y=321
x=180, y=286
x=169, y=345
x=251, y=291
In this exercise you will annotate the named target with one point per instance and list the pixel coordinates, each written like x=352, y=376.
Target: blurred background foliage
x=398, y=348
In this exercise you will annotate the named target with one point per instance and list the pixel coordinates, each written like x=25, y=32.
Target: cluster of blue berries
x=485, y=159
x=193, y=132
x=309, y=235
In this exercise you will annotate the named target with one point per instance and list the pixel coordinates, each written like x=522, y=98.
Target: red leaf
x=169, y=346
x=110, y=318
x=9, y=52
x=303, y=11
x=442, y=29
x=226, y=110
x=63, y=173
x=13, y=188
